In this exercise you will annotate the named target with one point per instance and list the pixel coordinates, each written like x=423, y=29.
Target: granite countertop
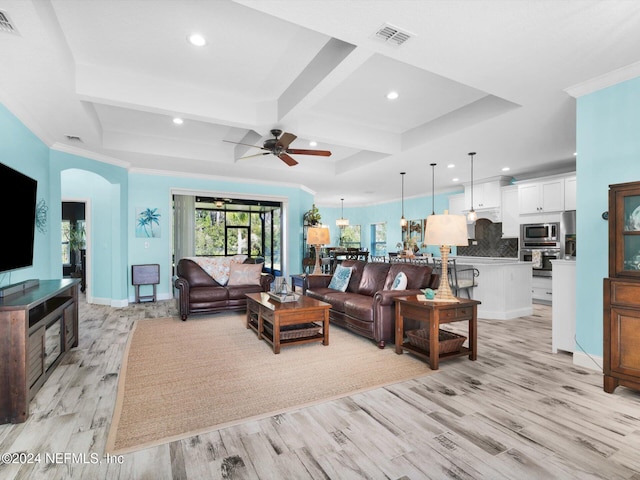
x=562, y=261
x=487, y=260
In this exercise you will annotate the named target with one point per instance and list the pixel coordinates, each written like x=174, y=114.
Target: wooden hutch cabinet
x=622, y=289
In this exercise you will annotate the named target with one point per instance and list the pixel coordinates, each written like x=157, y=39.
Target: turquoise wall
x=154, y=191
x=106, y=187
x=23, y=151
x=608, y=146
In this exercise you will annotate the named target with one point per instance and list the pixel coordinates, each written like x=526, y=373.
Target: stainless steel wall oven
x=540, y=243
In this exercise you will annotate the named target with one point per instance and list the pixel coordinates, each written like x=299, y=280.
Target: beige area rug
x=179, y=379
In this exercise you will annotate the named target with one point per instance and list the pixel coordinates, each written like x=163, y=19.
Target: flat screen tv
x=18, y=205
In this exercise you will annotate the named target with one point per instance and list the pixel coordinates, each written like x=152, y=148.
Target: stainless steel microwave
x=539, y=233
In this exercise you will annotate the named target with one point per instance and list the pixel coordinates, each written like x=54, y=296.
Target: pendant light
x=433, y=189
x=403, y=221
x=342, y=222
x=472, y=216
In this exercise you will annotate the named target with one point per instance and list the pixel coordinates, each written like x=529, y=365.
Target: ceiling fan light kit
x=279, y=146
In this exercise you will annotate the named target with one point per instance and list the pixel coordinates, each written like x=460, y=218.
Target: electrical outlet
x=146, y=244
x=474, y=242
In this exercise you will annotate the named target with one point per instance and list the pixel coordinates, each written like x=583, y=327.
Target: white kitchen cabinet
x=485, y=195
x=510, y=212
x=570, y=193
x=456, y=204
x=541, y=197
x=542, y=290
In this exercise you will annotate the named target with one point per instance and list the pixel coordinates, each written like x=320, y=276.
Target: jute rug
x=179, y=379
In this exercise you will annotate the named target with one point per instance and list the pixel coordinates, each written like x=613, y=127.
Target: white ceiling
x=476, y=75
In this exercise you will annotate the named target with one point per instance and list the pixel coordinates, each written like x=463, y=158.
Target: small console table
x=148, y=274
x=38, y=326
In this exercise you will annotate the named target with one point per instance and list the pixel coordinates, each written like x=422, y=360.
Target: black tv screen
x=18, y=205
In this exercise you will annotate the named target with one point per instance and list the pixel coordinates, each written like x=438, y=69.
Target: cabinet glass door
x=631, y=233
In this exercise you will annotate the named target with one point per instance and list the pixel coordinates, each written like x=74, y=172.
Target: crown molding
x=603, y=81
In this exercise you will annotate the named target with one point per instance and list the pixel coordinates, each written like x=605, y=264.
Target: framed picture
x=147, y=222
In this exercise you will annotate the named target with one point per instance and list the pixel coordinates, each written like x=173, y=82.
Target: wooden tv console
x=38, y=326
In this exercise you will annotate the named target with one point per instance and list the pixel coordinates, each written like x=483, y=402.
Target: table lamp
x=446, y=230
x=317, y=236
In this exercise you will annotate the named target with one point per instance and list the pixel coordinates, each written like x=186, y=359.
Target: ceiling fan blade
x=254, y=155
x=285, y=140
x=245, y=144
x=287, y=159
x=322, y=153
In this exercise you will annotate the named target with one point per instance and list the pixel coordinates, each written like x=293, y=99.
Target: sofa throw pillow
x=340, y=279
x=245, y=273
x=218, y=267
x=400, y=282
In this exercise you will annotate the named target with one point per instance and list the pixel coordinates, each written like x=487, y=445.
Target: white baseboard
x=583, y=360
x=159, y=296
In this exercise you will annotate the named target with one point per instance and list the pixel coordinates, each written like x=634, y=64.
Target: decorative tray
x=289, y=297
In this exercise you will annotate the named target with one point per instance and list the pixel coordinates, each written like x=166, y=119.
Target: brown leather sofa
x=198, y=292
x=367, y=307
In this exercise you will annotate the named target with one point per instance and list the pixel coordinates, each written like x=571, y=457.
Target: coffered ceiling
x=104, y=79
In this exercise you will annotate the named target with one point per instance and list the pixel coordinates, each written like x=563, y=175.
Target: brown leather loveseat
x=367, y=307
x=199, y=292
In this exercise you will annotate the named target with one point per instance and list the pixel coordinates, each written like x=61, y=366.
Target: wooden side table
x=433, y=314
x=299, y=280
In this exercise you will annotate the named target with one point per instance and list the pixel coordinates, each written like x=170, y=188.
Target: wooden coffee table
x=262, y=309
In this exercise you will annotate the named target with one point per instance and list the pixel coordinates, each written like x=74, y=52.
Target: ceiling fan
x=279, y=146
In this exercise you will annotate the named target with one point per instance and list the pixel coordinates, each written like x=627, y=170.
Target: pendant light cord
x=471, y=154
x=433, y=189
x=402, y=173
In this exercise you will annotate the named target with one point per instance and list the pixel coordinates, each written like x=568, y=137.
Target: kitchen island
x=504, y=286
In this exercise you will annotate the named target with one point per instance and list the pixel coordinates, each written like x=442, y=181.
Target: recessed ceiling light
x=505, y=169
x=197, y=40
x=455, y=179
x=451, y=165
x=392, y=95
x=313, y=143
x=178, y=121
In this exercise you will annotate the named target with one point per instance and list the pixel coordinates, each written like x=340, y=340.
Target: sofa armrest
x=386, y=297
x=318, y=281
x=182, y=285
x=266, y=279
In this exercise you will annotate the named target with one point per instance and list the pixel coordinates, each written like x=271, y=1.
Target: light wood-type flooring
x=518, y=412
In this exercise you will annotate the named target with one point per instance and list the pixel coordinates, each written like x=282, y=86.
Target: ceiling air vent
x=6, y=25
x=392, y=35
x=74, y=138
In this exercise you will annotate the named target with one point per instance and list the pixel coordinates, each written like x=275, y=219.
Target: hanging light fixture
x=403, y=221
x=472, y=216
x=342, y=222
x=433, y=189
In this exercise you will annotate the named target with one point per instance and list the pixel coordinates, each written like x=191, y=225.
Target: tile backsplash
x=490, y=243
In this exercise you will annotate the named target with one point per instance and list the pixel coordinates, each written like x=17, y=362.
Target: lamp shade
x=447, y=230
x=318, y=236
